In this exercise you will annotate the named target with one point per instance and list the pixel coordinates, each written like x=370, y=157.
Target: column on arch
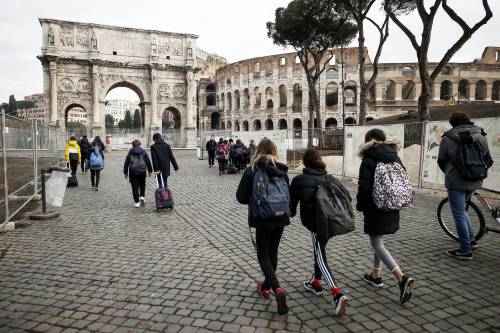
x=189, y=98
x=154, y=123
x=53, y=91
x=96, y=105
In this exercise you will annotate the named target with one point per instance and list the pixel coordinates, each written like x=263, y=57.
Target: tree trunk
x=317, y=108
x=362, y=80
x=424, y=98
x=310, y=123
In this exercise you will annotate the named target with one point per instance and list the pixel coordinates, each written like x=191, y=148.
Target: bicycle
x=476, y=217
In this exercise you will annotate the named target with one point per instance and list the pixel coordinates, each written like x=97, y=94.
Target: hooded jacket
x=376, y=221
x=73, y=148
x=84, y=147
x=162, y=156
x=140, y=152
x=244, y=192
x=448, y=150
x=303, y=190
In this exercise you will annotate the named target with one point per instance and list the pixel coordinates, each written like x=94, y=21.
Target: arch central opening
x=123, y=109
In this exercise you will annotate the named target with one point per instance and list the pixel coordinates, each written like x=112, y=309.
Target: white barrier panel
x=355, y=137
x=279, y=137
x=434, y=131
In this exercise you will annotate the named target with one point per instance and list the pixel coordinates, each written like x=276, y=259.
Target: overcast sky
x=234, y=29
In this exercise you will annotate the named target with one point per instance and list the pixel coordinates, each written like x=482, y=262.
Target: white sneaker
x=142, y=201
x=137, y=204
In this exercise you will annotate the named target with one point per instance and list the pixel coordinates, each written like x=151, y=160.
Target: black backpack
x=333, y=210
x=270, y=196
x=137, y=164
x=472, y=160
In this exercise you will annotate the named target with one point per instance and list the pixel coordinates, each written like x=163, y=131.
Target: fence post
x=5, y=178
x=423, y=132
x=35, y=157
x=343, y=149
x=48, y=146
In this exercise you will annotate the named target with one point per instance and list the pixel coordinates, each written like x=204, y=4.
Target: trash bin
x=55, y=186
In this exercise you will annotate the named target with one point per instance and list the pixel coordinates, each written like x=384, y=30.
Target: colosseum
x=271, y=92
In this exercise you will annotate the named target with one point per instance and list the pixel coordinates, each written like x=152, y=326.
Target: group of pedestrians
x=231, y=156
x=89, y=155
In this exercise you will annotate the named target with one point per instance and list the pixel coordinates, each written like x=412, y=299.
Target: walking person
x=85, y=153
x=463, y=175
x=96, y=163
x=269, y=225
x=136, y=164
x=162, y=157
x=378, y=222
x=73, y=155
x=303, y=190
x=251, y=149
x=237, y=154
x=222, y=155
x=211, y=146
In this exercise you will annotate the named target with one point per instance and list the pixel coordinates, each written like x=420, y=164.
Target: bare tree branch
x=401, y=26
x=384, y=33
x=368, y=7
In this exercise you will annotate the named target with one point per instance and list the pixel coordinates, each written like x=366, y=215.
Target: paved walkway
x=105, y=266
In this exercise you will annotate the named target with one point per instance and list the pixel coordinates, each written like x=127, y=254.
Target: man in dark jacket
x=135, y=167
x=100, y=144
x=85, y=153
x=459, y=188
x=162, y=156
x=211, y=147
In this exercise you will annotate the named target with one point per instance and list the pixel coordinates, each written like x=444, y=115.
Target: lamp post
x=342, y=85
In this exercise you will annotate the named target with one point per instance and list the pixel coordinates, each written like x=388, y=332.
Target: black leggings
x=222, y=165
x=95, y=175
x=268, y=241
x=138, y=183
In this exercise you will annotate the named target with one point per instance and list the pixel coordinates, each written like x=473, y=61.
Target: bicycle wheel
x=445, y=218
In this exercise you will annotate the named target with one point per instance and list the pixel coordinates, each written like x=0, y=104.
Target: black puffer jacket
x=303, y=189
x=244, y=193
x=377, y=222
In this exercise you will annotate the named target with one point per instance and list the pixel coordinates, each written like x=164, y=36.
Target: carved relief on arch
x=179, y=90
x=164, y=90
x=83, y=85
x=66, y=84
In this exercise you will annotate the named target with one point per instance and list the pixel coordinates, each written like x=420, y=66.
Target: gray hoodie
x=448, y=150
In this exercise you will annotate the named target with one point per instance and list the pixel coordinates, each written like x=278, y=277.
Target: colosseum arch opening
x=258, y=98
x=331, y=122
x=332, y=95
x=215, y=122
x=495, y=93
x=237, y=100
x=236, y=125
x=229, y=102
x=245, y=126
x=350, y=93
x=269, y=98
x=257, y=126
x=408, y=92
x=464, y=90
x=446, y=90
x=246, y=99
x=389, y=90
x=297, y=98
x=222, y=105
x=283, y=96
x=229, y=125
x=282, y=124
x=481, y=88
x=269, y=125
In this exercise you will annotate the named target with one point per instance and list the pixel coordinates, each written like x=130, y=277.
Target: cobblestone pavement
x=105, y=266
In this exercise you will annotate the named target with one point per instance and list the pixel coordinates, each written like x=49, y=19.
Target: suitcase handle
x=162, y=182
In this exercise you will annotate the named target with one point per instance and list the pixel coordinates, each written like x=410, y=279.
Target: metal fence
x=26, y=148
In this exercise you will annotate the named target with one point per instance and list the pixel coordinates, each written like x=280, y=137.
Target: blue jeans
x=458, y=200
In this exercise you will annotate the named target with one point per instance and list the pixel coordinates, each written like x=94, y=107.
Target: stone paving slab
x=105, y=266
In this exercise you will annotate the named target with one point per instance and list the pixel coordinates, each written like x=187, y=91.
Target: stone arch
x=246, y=99
x=408, y=92
x=245, y=126
x=481, y=88
x=495, y=93
x=446, y=90
x=297, y=123
x=350, y=121
x=211, y=88
x=222, y=126
x=463, y=89
x=331, y=122
x=171, y=118
x=389, y=90
x=332, y=94
x=135, y=87
x=282, y=124
x=269, y=98
x=257, y=125
x=350, y=93
x=215, y=122
x=223, y=105
x=236, y=125
x=283, y=95
x=211, y=101
x=297, y=98
x=68, y=108
x=229, y=101
x=269, y=125
x=237, y=100
x=258, y=98
x=229, y=125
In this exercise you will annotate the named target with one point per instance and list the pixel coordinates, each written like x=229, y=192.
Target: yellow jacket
x=73, y=148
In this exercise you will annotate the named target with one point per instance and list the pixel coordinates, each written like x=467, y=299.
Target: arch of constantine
x=82, y=62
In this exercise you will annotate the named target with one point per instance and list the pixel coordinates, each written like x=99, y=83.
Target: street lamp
x=342, y=85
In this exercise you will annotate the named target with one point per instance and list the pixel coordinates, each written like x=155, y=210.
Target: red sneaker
x=265, y=293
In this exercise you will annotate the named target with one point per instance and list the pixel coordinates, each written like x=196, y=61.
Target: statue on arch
x=93, y=41
x=50, y=41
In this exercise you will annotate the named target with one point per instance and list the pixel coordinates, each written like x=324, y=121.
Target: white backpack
x=391, y=187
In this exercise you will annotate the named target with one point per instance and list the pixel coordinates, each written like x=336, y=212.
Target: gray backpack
x=270, y=196
x=333, y=210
